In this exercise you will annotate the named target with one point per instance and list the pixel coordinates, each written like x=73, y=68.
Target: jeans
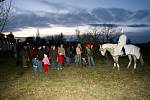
x=91, y=61
x=40, y=66
x=54, y=64
x=78, y=59
x=24, y=61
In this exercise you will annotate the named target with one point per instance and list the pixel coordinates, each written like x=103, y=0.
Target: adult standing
x=45, y=50
x=25, y=54
x=53, y=56
x=90, y=54
x=40, y=55
x=61, y=54
x=78, y=54
x=32, y=53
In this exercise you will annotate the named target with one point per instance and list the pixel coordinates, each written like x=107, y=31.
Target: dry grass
x=76, y=83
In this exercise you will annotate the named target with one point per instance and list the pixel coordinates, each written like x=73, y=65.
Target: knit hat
x=45, y=55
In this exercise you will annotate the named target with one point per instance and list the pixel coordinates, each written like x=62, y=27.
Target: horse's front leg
x=114, y=65
x=130, y=60
x=116, y=58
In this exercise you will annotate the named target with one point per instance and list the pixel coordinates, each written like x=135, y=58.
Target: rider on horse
x=119, y=49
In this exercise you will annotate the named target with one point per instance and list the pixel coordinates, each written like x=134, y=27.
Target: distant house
x=7, y=42
x=2, y=37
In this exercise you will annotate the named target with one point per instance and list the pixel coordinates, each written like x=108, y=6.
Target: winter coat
x=46, y=60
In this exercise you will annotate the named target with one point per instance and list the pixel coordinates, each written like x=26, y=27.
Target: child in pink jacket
x=46, y=63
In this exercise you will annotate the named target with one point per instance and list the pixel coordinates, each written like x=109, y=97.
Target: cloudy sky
x=26, y=21
x=56, y=5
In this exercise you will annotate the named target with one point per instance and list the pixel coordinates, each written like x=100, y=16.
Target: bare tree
x=5, y=8
x=95, y=31
x=77, y=31
x=107, y=31
x=103, y=32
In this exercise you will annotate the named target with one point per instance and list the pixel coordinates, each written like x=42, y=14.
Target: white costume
x=120, y=45
x=133, y=50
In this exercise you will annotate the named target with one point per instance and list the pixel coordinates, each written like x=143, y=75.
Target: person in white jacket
x=121, y=43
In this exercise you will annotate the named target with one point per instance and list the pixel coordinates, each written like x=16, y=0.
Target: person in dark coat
x=53, y=56
x=40, y=56
x=89, y=48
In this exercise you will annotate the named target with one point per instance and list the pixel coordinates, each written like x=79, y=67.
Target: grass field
x=75, y=83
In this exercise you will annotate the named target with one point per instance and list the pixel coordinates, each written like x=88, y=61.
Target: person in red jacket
x=61, y=55
x=60, y=60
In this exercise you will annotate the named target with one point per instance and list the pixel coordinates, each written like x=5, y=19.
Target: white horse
x=133, y=53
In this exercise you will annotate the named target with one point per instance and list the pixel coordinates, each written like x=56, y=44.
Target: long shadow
x=10, y=68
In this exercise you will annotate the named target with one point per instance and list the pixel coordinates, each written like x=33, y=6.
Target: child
x=84, y=61
x=68, y=60
x=46, y=63
x=35, y=66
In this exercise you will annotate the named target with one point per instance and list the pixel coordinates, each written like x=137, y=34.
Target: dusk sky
x=45, y=15
x=56, y=5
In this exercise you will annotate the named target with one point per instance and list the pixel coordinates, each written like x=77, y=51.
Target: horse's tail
x=141, y=60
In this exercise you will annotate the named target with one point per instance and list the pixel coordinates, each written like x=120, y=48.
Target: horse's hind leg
x=114, y=63
x=130, y=60
x=135, y=60
x=117, y=58
x=118, y=66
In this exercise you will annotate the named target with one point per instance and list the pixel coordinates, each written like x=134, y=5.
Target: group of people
x=42, y=57
x=82, y=59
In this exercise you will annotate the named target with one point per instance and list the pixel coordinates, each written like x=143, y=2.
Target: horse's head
x=102, y=50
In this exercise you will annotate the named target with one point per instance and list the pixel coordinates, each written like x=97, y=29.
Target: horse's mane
x=109, y=47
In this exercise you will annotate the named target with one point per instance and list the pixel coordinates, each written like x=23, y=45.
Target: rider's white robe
x=120, y=45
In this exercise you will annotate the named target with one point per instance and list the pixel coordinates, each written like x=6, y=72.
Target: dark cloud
x=53, y=5
x=98, y=15
x=59, y=7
